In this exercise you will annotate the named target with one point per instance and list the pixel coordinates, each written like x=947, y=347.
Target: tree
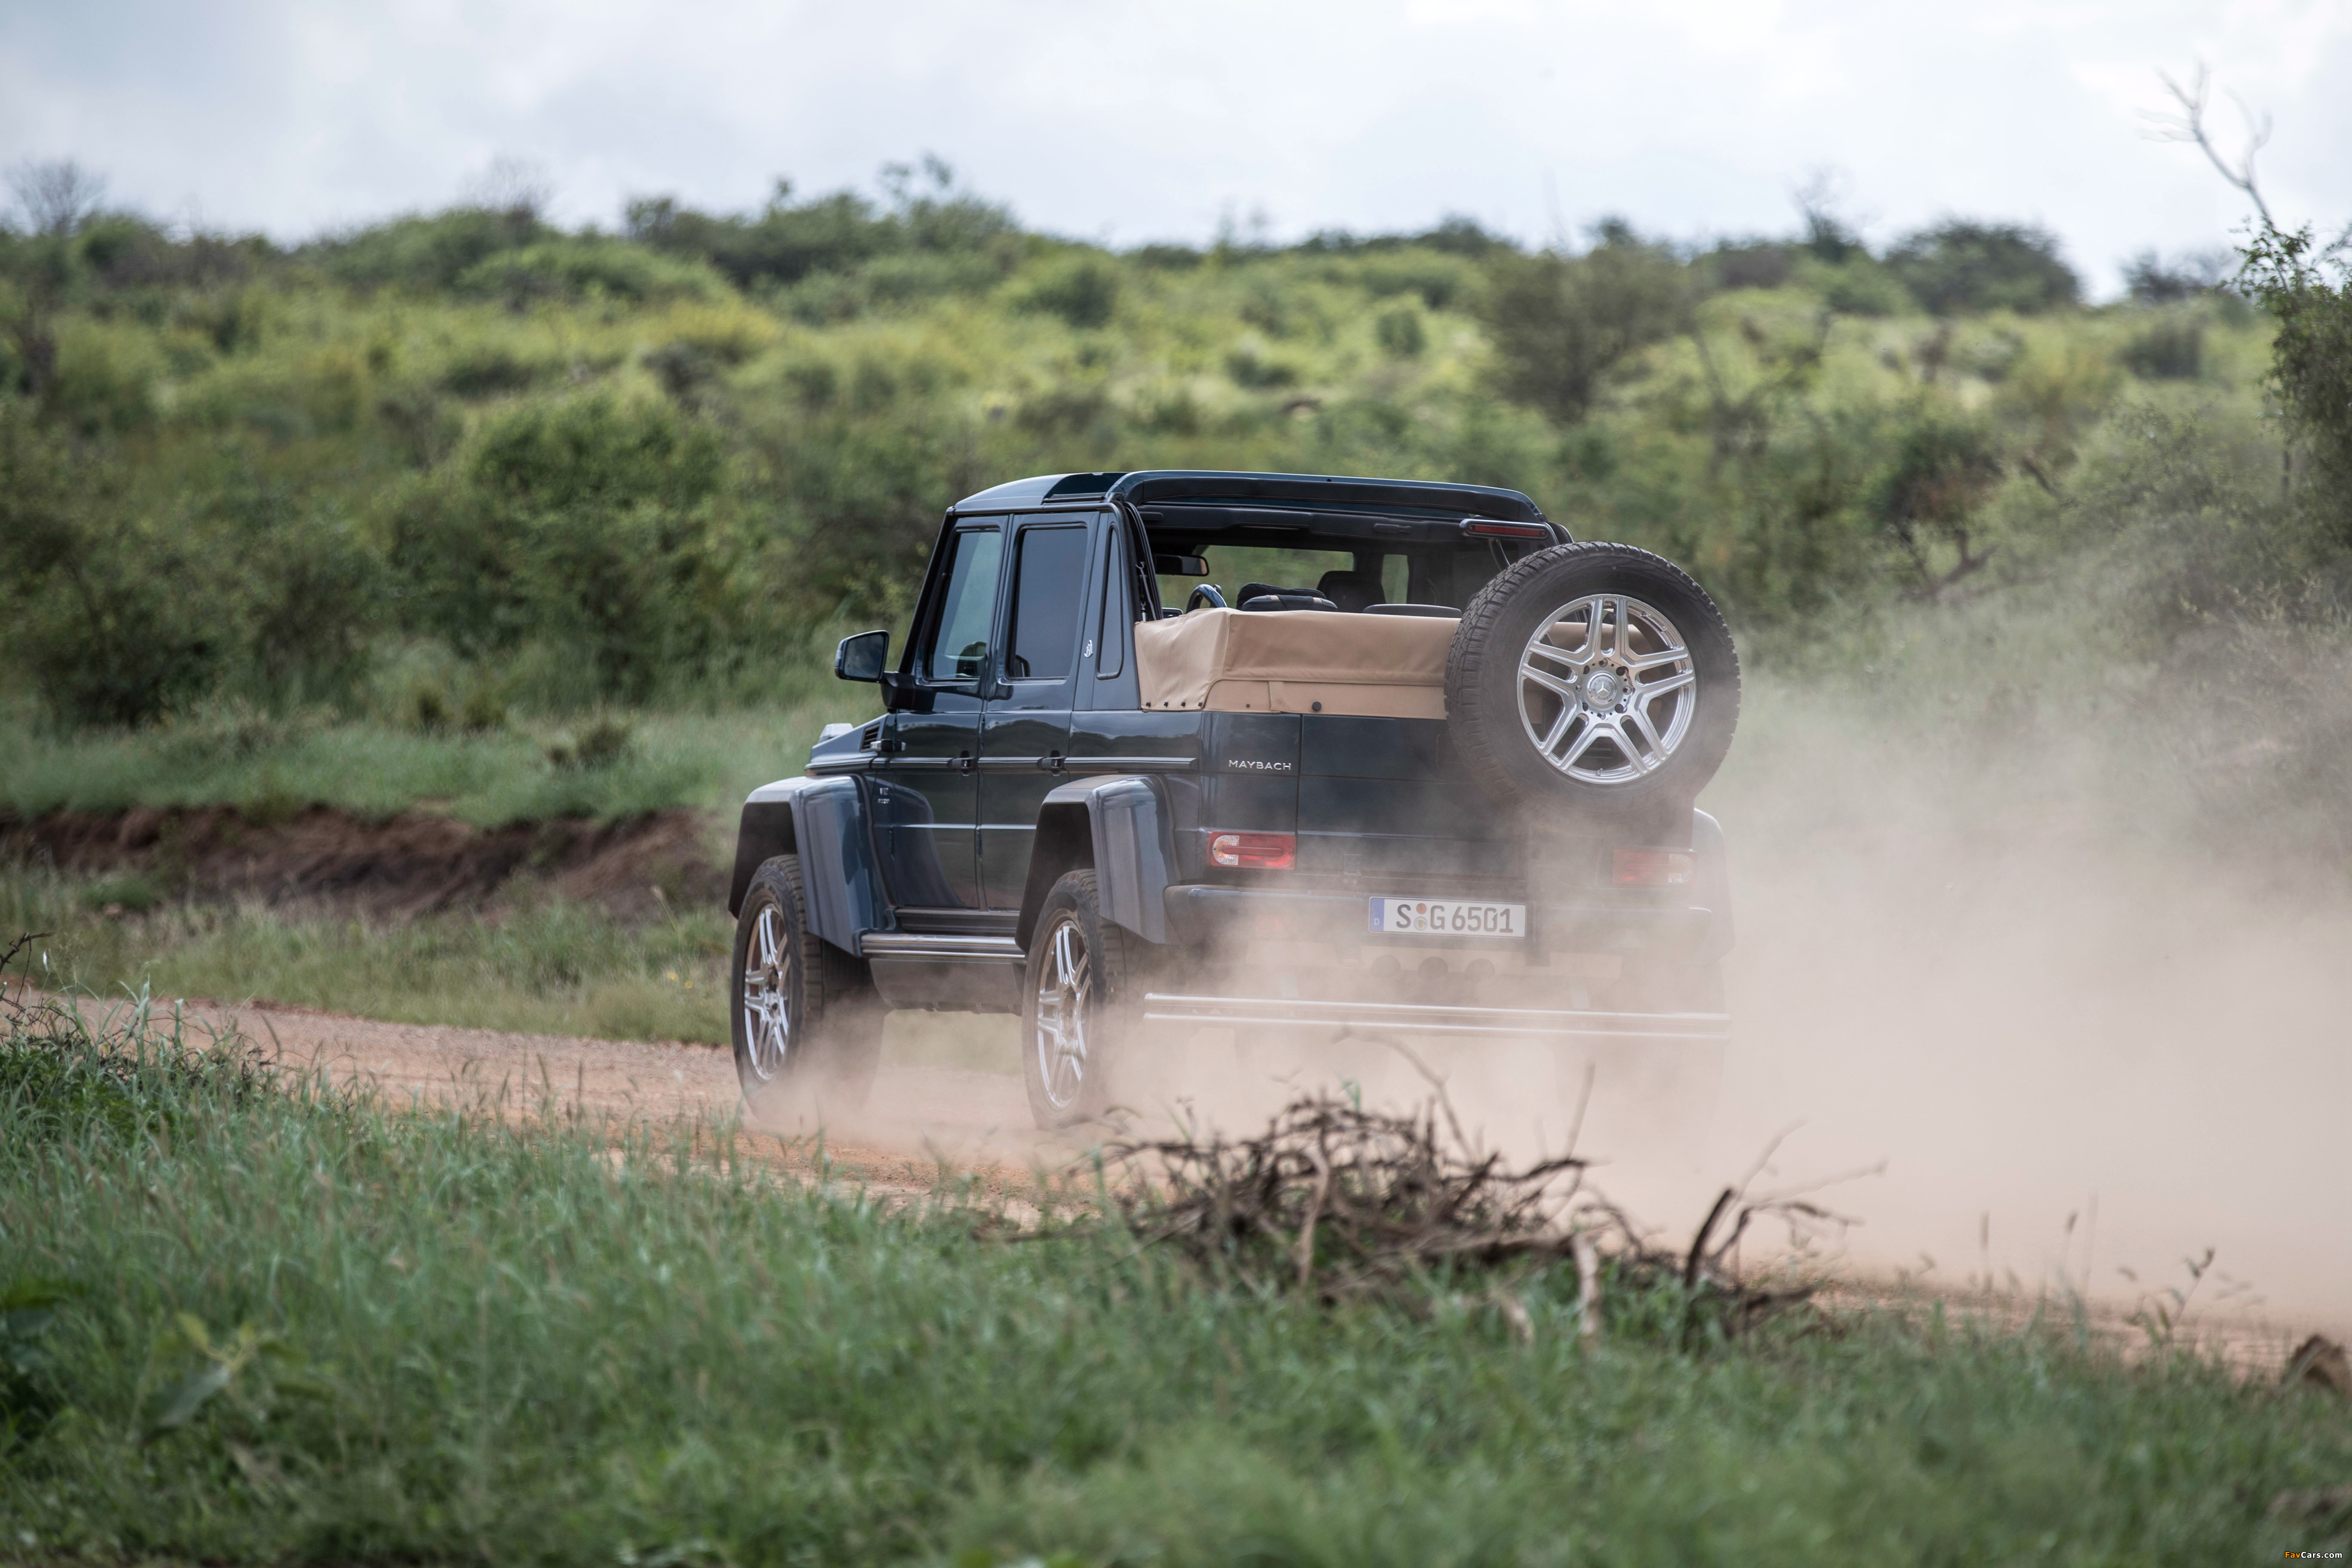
x=2289, y=275
x=1562, y=323
x=57, y=198
x=2311, y=358
x=1964, y=265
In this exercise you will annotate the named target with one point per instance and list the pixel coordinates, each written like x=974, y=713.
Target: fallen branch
x=1340, y=1203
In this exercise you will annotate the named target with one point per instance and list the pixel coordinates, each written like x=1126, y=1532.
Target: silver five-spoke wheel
x=1607, y=688
x=767, y=995
x=1064, y=995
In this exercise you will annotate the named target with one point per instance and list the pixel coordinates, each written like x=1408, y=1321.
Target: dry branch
x=1342, y=1203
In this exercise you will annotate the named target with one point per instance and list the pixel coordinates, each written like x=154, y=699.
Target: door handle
x=966, y=762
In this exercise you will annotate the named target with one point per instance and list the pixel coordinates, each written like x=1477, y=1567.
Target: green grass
x=551, y=967
x=272, y=768
x=289, y=1327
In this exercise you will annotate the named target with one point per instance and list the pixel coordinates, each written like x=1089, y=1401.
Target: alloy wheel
x=767, y=994
x=1065, y=993
x=1607, y=688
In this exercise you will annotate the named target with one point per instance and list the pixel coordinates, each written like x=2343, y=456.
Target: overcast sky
x=1129, y=122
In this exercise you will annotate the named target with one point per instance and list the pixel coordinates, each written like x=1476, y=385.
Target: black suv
x=1430, y=769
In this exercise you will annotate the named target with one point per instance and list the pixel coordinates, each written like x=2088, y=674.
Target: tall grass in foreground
x=251, y=1319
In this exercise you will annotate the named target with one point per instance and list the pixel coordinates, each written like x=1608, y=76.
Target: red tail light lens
x=1486, y=528
x=1654, y=868
x=1255, y=852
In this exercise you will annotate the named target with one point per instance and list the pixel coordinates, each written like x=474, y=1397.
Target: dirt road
x=925, y=1112
x=968, y=1115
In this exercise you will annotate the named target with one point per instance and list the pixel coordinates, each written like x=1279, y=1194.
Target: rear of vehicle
x=1348, y=874
x=1447, y=772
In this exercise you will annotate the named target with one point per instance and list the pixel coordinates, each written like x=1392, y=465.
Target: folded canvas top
x=1295, y=661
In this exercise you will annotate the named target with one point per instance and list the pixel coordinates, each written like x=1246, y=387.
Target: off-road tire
x=833, y=1018
x=1109, y=1011
x=1486, y=691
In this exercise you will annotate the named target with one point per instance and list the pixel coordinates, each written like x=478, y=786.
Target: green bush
x=106, y=610
x=1401, y=333
x=1081, y=290
x=96, y=389
x=1561, y=324
x=490, y=370
x=1259, y=372
x=788, y=241
x=1857, y=285
x=1940, y=472
x=2170, y=349
x=589, y=524
x=1962, y=265
x=586, y=269
x=2311, y=358
x=424, y=253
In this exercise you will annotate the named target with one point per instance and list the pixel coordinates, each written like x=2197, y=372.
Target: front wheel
x=1079, y=1006
x=807, y=1025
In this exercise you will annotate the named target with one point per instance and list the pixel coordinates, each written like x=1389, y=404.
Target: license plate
x=1447, y=917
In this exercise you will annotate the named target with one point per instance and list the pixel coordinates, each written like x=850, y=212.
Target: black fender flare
x=1119, y=827
x=825, y=821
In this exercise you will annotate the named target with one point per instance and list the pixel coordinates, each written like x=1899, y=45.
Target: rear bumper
x=1404, y=1018
x=1201, y=914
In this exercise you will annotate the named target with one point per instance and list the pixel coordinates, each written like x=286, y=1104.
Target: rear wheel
x=807, y=1025
x=1081, y=1007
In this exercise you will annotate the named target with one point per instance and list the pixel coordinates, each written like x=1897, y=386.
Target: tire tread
x=1479, y=735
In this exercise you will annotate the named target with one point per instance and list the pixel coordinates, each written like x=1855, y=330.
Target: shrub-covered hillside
x=463, y=460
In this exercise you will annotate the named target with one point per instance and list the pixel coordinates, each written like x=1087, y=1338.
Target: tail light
x=1654, y=868
x=1255, y=852
x=1488, y=529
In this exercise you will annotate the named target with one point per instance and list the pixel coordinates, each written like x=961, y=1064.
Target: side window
x=959, y=644
x=1111, y=617
x=1048, y=592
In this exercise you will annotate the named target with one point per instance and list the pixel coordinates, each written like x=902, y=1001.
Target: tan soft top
x=1295, y=661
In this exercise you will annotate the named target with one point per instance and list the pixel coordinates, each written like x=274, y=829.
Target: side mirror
x=862, y=657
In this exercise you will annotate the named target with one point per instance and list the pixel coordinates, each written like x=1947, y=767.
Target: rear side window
x=959, y=646
x=1110, y=622
x=1047, y=590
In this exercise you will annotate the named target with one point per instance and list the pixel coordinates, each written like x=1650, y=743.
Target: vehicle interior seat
x=1353, y=591
x=1265, y=596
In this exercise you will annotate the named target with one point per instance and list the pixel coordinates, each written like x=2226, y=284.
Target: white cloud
x=1152, y=118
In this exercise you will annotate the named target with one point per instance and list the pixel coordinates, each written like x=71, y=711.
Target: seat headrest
x=1353, y=591
x=1287, y=602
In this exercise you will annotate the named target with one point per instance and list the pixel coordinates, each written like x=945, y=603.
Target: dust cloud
x=2096, y=1021
x=2088, y=1005
x=2086, y=1043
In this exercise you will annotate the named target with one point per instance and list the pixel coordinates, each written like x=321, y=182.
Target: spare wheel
x=1593, y=675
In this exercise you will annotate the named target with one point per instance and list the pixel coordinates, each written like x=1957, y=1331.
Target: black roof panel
x=1210, y=501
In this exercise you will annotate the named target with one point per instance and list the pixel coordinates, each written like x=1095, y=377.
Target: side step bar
x=941, y=949
x=1406, y=1018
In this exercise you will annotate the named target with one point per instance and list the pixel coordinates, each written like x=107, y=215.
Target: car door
x=926, y=791
x=1025, y=729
